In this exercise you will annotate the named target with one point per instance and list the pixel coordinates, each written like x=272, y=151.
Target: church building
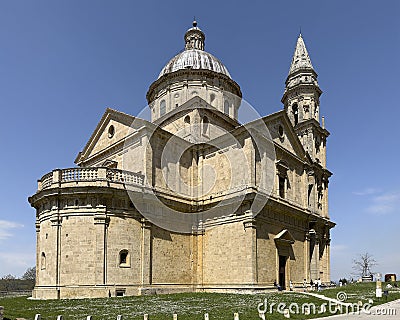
x=191, y=199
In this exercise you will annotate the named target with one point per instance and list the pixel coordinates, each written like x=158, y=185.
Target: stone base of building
x=81, y=292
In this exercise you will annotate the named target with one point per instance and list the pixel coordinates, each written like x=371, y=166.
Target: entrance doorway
x=282, y=271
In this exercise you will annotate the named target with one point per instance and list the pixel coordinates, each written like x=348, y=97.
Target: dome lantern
x=194, y=38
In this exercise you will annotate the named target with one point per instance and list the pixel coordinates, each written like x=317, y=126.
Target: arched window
x=124, y=258
x=187, y=120
x=295, y=111
x=205, y=125
x=226, y=107
x=163, y=108
x=212, y=97
x=43, y=261
x=187, y=124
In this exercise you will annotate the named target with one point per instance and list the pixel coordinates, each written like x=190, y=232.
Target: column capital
x=101, y=218
x=250, y=223
x=145, y=224
x=55, y=220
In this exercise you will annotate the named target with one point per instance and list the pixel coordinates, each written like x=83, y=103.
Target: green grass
x=187, y=306
x=363, y=292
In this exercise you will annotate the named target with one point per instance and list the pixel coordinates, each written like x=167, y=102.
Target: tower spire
x=301, y=103
x=301, y=58
x=302, y=92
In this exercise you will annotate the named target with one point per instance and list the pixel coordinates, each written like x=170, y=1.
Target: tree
x=9, y=282
x=363, y=265
x=30, y=274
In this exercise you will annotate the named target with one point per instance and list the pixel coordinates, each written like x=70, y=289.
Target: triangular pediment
x=284, y=136
x=284, y=237
x=112, y=129
x=196, y=121
x=195, y=103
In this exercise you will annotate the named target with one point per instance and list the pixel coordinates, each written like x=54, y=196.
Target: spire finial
x=194, y=22
x=300, y=32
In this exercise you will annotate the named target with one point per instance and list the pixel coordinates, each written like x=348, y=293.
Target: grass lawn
x=363, y=292
x=187, y=306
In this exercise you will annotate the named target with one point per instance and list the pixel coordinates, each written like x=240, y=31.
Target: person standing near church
x=305, y=285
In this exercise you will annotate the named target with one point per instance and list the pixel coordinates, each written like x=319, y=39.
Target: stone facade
x=95, y=232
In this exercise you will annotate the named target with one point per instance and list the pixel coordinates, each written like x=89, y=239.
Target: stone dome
x=194, y=56
x=194, y=59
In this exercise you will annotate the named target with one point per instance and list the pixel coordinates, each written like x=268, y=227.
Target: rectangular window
x=163, y=108
x=310, y=187
x=282, y=187
x=120, y=293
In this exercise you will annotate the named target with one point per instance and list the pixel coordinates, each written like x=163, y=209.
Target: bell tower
x=301, y=103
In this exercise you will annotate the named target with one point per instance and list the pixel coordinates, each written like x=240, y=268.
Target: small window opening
x=163, y=108
x=320, y=195
x=295, y=111
x=226, y=107
x=205, y=125
x=111, y=131
x=280, y=131
x=212, y=97
x=76, y=202
x=310, y=187
x=43, y=261
x=187, y=120
x=124, y=258
x=120, y=293
x=282, y=187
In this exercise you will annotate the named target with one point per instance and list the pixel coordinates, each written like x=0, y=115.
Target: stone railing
x=47, y=180
x=58, y=176
x=79, y=174
x=127, y=177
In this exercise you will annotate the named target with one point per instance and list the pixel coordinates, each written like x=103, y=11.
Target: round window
x=280, y=130
x=111, y=131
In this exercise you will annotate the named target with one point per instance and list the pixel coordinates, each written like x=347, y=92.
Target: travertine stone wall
x=123, y=233
x=227, y=255
x=172, y=255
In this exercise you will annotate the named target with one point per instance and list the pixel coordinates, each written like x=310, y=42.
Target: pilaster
x=250, y=227
x=146, y=253
x=101, y=222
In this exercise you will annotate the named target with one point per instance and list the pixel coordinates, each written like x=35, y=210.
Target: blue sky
x=63, y=62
